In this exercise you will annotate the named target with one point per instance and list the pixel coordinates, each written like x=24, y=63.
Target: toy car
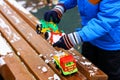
x=66, y=63
x=47, y=27
x=50, y=31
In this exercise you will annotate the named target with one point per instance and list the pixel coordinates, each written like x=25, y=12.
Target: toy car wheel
x=57, y=66
x=38, y=28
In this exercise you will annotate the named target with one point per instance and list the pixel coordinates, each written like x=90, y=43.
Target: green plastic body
x=49, y=27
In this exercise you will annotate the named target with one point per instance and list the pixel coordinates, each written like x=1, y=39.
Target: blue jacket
x=100, y=20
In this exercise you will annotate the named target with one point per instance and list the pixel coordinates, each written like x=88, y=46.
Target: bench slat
x=14, y=69
x=30, y=58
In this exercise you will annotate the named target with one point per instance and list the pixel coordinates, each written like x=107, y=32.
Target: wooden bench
x=28, y=51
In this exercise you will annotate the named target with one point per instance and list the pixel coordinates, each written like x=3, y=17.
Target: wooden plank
x=82, y=68
x=30, y=58
x=14, y=69
x=11, y=66
x=6, y=73
x=37, y=42
x=27, y=16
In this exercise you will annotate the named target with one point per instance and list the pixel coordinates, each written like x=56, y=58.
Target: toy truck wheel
x=56, y=65
x=38, y=28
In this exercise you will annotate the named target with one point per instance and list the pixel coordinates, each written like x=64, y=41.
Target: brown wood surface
x=34, y=50
x=14, y=69
x=6, y=73
x=27, y=16
x=25, y=52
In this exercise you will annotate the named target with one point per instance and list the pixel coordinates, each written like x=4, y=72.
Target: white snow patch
x=2, y=2
x=33, y=4
x=39, y=67
x=95, y=68
x=40, y=3
x=51, y=55
x=34, y=10
x=18, y=53
x=56, y=77
x=21, y=2
x=83, y=58
x=15, y=38
x=5, y=27
x=47, y=61
x=29, y=8
x=38, y=22
x=40, y=55
x=18, y=6
x=86, y=63
x=50, y=78
x=4, y=46
x=44, y=69
x=16, y=19
x=2, y=62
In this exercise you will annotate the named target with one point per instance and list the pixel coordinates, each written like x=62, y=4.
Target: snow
x=29, y=8
x=5, y=27
x=86, y=63
x=34, y=10
x=15, y=38
x=40, y=55
x=51, y=55
x=50, y=78
x=18, y=6
x=4, y=46
x=2, y=62
x=18, y=53
x=39, y=67
x=2, y=2
x=56, y=77
x=83, y=58
x=44, y=69
x=21, y=2
x=47, y=61
x=38, y=22
x=16, y=19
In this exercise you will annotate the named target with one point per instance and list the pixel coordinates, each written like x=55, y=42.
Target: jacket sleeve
x=68, y=3
x=107, y=19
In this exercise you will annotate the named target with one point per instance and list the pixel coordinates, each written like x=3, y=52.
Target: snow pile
x=4, y=46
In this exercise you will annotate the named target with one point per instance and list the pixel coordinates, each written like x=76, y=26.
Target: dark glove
x=55, y=14
x=68, y=41
x=52, y=16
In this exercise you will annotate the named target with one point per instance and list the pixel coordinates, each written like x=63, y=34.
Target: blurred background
x=70, y=20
